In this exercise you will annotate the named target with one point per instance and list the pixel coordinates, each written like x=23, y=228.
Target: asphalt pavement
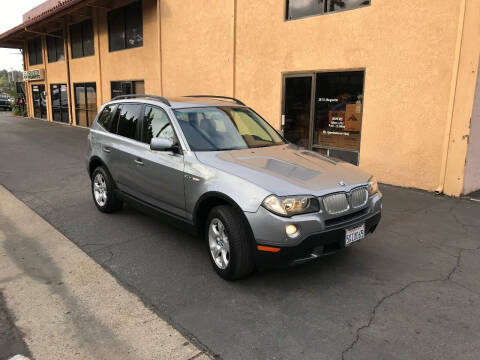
x=409, y=291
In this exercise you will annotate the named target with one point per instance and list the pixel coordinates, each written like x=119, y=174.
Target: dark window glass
x=125, y=27
x=55, y=48
x=156, y=124
x=81, y=39
x=76, y=40
x=116, y=30
x=303, y=8
x=127, y=87
x=87, y=31
x=85, y=103
x=58, y=94
x=35, y=51
x=105, y=118
x=128, y=120
x=335, y=5
x=338, y=109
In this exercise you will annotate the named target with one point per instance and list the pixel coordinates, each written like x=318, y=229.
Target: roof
x=39, y=16
x=183, y=102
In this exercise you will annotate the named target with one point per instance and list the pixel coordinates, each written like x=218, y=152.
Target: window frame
x=124, y=11
x=82, y=27
x=56, y=41
x=324, y=12
x=35, y=42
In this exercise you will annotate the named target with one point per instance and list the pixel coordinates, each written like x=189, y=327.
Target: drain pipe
x=451, y=103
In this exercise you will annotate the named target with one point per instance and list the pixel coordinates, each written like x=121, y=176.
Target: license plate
x=354, y=234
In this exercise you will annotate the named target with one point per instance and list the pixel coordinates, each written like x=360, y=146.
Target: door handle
x=139, y=162
x=107, y=149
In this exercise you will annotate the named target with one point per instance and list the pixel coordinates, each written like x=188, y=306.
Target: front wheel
x=229, y=243
x=103, y=191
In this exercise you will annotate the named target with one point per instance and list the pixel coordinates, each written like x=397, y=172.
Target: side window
x=128, y=120
x=157, y=124
x=105, y=118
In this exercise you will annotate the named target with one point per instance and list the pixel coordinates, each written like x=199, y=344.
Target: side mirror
x=161, y=144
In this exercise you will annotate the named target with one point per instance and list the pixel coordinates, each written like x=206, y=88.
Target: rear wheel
x=103, y=191
x=229, y=243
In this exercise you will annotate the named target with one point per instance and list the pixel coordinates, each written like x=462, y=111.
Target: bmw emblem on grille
x=341, y=183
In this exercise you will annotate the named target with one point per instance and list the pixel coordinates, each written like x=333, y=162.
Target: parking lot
x=410, y=291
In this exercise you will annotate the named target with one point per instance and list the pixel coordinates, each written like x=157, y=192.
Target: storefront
x=377, y=83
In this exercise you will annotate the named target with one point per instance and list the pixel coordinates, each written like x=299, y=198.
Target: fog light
x=290, y=230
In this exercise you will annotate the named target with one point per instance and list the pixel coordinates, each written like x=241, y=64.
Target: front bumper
x=314, y=246
x=318, y=234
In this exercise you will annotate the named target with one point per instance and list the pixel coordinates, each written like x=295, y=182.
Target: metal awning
x=49, y=17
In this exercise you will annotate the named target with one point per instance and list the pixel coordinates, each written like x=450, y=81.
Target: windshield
x=225, y=128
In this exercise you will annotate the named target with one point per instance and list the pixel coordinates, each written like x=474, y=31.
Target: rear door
x=124, y=148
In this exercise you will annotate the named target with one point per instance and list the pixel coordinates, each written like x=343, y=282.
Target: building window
x=55, y=48
x=35, y=51
x=127, y=87
x=323, y=111
x=81, y=39
x=303, y=8
x=125, y=27
x=85, y=103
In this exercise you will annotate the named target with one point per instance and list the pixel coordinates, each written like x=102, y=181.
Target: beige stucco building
x=390, y=85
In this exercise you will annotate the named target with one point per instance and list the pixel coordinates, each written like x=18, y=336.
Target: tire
x=103, y=191
x=229, y=247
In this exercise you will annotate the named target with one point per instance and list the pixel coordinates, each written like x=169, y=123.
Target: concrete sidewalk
x=65, y=305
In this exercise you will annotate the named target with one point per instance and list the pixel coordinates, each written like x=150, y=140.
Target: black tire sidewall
x=235, y=234
x=112, y=202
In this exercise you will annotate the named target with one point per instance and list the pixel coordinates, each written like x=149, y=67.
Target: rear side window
x=156, y=124
x=105, y=118
x=127, y=117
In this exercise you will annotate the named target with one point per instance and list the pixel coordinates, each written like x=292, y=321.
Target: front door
x=59, y=96
x=322, y=111
x=39, y=97
x=160, y=173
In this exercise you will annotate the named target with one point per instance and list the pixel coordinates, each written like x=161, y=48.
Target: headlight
x=291, y=205
x=372, y=186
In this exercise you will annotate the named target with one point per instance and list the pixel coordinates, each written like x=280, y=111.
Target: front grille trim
x=341, y=202
x=336, y=203
x=358, y=197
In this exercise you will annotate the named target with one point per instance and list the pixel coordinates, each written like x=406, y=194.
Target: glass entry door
x=59, y=95
x=39, y=97
x=297, y=109
x=85, y=103
x=323, y=111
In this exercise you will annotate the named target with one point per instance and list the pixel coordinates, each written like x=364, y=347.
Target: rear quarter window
x=105, y=118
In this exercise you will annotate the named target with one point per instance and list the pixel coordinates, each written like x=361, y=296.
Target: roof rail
x=218, y=97
x=134, y=96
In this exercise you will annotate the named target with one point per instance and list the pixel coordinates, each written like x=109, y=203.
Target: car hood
x=287, y=170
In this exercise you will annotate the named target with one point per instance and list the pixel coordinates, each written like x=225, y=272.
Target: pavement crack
x=374, y=312
x=382, y=300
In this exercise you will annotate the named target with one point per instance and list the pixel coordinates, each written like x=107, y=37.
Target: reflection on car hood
x=287, y=169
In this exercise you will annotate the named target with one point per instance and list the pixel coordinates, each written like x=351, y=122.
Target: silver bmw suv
x=214, y=164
